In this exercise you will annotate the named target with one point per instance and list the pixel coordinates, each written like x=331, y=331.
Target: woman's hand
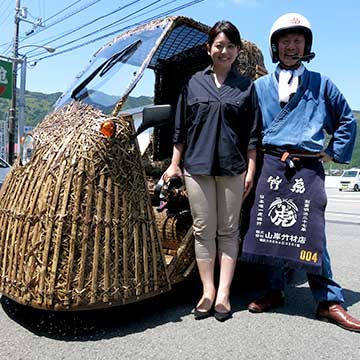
x=172, y=171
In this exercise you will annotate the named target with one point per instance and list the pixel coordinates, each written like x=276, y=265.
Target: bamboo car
x=80, y=224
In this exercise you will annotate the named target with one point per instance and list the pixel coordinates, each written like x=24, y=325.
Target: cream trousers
x=215, y=203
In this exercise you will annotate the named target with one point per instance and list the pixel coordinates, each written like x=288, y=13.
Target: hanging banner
x=5, y=79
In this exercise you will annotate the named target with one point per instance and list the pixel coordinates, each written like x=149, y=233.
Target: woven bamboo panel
x=250, y=61
x=77, y=228
x=172, y=229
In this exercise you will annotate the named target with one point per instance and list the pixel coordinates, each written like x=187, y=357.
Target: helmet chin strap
x=292, y=67
x=306, y=58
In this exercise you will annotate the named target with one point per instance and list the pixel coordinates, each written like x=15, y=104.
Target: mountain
x=39, y=104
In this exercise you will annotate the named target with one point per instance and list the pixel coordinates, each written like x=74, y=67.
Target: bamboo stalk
x=24, y=203
x=125, y=245
x=107, y=240
x=145, y=248
x=85, y=232
x=5, y=220
x=4, y=243
x=189, y=269
x=137, y=259
x=153, y=250
x=32, y=254
x=13, y=253
x=58, y=235
x=4, y=268
x=154, y=236
x=116, y=225
x=34, y=189
x=183, y=246
x=95, y=261
x=50, y=226
x=4, y=216
x=74, y=228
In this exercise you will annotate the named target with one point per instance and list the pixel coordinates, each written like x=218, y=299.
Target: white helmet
x=291, y=22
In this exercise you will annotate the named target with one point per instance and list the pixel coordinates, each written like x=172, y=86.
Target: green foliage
x=38, y=105
x=356, y=154
x=133, y=102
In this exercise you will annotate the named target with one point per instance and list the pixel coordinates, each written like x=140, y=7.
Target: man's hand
x=248, y=184
x=324, y=157
x=250, y=173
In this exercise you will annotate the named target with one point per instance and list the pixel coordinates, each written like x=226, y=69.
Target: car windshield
x=112, y=70
x=350, y=173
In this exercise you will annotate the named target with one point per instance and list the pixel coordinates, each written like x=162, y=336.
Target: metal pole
x=21, y=121
x=12, y=111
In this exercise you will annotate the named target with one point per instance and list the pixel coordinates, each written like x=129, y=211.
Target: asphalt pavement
x=164, y=328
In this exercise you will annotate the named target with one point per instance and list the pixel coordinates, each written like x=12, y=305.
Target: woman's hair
x=228, y=28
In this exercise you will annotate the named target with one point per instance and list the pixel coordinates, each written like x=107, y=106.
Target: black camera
x=172, y=195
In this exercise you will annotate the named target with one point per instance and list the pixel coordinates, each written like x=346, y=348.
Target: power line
x=119, y=21
x=101, y=29
x=165, y=13
x=3, y=3
x=22, y=37
x=72, y=31
x=6, y=15
x=62, y=10
x=65, y=17
x=43, y=8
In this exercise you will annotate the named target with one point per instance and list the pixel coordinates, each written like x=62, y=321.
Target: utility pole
x=20, y=15
x=21, y=119
x=12, y=111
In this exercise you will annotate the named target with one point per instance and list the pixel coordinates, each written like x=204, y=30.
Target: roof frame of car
x=180, y=33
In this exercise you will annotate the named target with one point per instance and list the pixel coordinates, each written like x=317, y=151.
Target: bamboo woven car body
x=78, y=228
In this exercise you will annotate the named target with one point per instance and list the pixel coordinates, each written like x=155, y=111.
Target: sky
x=335, y=26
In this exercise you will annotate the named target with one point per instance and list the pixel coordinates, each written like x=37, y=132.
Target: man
x=287, y=226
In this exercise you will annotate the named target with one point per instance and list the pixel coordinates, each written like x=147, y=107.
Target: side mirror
x=155, y=116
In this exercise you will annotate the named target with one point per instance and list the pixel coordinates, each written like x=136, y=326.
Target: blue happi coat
x=286, y=223
x=318, y=105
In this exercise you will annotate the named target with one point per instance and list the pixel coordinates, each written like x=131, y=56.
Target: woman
x=216, y=131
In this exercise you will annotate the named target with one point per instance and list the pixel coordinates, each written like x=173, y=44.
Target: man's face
x=289, y=46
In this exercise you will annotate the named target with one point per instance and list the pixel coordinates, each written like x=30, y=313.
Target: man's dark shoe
x=271, y=300
x=336, y=314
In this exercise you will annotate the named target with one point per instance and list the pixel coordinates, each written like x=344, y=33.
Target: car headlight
x=108, y=128
x=27, y=148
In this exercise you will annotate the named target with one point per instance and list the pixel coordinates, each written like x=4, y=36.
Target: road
x=164, y=328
